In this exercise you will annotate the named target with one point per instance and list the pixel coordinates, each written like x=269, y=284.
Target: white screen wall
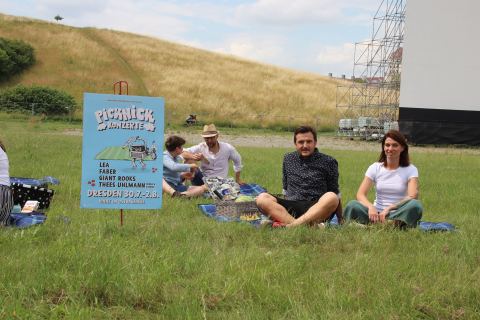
x=441, y=56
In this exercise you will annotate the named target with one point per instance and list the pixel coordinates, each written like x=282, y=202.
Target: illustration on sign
x=120, y=166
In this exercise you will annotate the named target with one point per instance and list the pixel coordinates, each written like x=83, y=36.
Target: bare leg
x=269, y=205
x=195, y=191
x=166, y=188
x=319, y=212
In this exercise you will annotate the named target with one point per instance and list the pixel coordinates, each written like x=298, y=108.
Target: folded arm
x=170, y=164
x=412, y=193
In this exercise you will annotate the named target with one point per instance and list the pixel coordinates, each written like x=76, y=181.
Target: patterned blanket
x=251, y=189
x=210, y=211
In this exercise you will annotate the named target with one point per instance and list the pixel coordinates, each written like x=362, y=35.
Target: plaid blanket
x=255, y=220
x=210, y=211
x=251, y=189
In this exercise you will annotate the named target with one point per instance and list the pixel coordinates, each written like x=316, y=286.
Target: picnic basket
x=236, y=209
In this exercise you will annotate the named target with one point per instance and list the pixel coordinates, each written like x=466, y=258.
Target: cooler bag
x=24, y=189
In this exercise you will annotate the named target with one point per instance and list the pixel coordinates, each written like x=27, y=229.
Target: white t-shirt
x=217, y=162
x=4, y=176
x=391, y=185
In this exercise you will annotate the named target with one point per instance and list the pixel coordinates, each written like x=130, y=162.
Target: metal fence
x=177, y=117
x=35, y=108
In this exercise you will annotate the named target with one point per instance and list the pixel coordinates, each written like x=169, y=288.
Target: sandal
x=177, y=194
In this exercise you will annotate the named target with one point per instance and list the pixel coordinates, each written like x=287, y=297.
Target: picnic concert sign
x=122, y=165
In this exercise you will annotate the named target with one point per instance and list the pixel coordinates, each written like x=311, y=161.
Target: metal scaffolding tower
x=374, y=90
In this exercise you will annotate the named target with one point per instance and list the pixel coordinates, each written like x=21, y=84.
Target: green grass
x=175, y=263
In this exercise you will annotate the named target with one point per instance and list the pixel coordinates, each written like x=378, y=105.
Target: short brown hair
x=173, y=142
x=304, y=129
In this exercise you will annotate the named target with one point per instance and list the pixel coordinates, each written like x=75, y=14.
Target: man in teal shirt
x=175, y=172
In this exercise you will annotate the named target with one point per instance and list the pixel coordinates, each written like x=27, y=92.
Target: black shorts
x=297, y=208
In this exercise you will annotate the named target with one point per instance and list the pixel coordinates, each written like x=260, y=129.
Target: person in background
x=214, y=155
x=310, y=185
x=175, y=171
x=6, y=198
x=396, y=184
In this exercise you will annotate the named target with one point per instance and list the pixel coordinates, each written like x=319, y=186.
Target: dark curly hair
x=173, y=142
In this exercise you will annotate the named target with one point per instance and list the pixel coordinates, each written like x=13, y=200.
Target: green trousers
x=410, y=212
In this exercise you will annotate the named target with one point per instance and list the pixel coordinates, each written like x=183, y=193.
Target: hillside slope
x=217, y=87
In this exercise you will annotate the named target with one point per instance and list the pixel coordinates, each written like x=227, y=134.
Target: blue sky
x=316, y=36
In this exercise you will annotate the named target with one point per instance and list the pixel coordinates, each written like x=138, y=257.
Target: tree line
x=15, y=57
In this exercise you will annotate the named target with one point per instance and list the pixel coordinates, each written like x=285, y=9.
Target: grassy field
x=175, y=263
x=217, y=87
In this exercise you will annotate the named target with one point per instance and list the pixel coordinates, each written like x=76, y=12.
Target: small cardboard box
x=30, y=206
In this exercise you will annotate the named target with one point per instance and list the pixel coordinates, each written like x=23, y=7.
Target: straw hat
x=209, y=130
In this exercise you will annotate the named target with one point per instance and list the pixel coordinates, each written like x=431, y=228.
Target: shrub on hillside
x=15, y=56
x=38, y=100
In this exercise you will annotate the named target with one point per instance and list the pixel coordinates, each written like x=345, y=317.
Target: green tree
x=15, y=56
x=39, y=100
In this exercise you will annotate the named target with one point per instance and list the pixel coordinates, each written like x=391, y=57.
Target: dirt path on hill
x=324, y=142
x=92, y=35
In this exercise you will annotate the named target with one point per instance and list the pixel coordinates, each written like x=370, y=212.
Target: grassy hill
x=217, y=87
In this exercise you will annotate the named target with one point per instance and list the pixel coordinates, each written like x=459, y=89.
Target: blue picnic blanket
x=251, y=189
x=423, y=225
x=210, y=211
x=22, y=220
x=247, y=189
x=436, y=226
x=35, y=182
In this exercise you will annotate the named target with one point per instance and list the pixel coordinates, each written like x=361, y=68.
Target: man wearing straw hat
x=214, y=155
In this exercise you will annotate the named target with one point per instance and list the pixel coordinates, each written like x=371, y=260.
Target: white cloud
x=336, y=59
x=142, y=17
x=268, y=49
x=67, y=9
x=303, y=11
x=270, y=31
x=340, y=54
x=132, y=20
x=287, y=11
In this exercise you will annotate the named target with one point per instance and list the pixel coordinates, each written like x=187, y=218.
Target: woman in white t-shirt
x=6, y=199
x=396, y=184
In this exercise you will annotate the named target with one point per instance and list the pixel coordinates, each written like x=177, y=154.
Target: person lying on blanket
x=175, y=172
x=310, y=185
x=214, y=155
x=396, y=184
